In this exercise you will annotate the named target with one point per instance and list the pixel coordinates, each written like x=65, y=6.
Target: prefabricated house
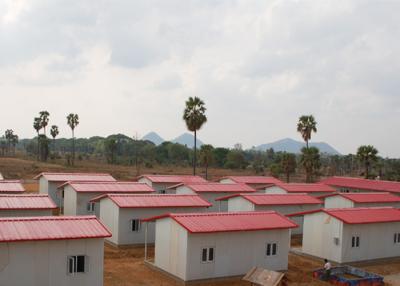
x=47, y=251
x=26, y=205
x=122, y=213
x=77, y=195
x=197, y=246
x=252, y=181
x=356, y=200
x=349, y=184
x=49, y=182
x=160, y=183
x=211, y=191
x=282, y=203
x=11, y=187
x=315, y=190
x=352, y=234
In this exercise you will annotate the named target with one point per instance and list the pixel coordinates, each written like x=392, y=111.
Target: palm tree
x=367, y=154
x=54, y=132
x=73, y=121
x=44, y=119
x=310, y=160
x=9, y=135
x=194, y=116
x=306, y=126
x=206, y=156
x=288, y=164
x=37, y=125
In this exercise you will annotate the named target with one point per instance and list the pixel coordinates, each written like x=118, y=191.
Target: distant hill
x=293, y=146
x=153, y=137
x=188, y=140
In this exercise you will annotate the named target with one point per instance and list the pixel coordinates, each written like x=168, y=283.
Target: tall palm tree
x=73, y=121
x=54, y=132
x=37, y=125
x=44, y=119
x=367, y=154
x=9, y=135
x=194, y=116
x=206, y=156
x=306, y=126
x=310, y=160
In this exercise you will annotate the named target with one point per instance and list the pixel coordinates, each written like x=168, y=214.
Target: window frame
x=90, y=207
x=138, y=224
x=396, y=238
x=75, y=260
x=210, y=252
x=271, y=249
x=355, y=241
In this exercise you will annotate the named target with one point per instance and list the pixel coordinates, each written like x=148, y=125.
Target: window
x=76, y=264
x=162, y=191
x=135, y=225
x=207, y=254
x=355, y=241
x=272, y=249
x=90, y=207
x=336, y=240
x=396, y=238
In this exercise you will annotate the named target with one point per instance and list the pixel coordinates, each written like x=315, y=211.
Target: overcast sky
x=128, y=66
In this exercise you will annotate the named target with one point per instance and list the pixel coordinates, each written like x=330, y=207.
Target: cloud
x=258, y=65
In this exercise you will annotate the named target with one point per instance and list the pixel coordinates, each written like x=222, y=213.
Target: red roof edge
x=327, y=196
x=304, y=213
x=224, y=198
x=170, y=215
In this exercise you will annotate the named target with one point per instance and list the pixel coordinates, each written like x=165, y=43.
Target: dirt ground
x=125, y=267
x=25, y=168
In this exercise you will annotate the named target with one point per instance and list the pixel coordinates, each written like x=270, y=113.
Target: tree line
x=122, y=149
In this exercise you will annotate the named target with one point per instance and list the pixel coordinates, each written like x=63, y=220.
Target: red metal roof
x=371, y=197
x=220, y=188
x=51, y=228
x=11, y=186
x=65, y=177
x=365, y=215
x=26, y=202
x=155, y=201
x=174, y=179
x=363, y=184
x=109, y=187
x=306, y=188
x=277, y=199
x=230, y=221
x=253, y=179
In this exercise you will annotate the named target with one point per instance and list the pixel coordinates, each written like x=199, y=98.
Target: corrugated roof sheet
x=220, y=188
x=365, y=215
x=65, y=177
x=306, y=188
x=26, y=202
x=363, y=184
x=174, y=179
x=109, y=187
x=11, y=186
x=51, y=228
x=230, y=221
x=253, y=179
x=371, y=197
x=278, y=199
x=155, y=201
